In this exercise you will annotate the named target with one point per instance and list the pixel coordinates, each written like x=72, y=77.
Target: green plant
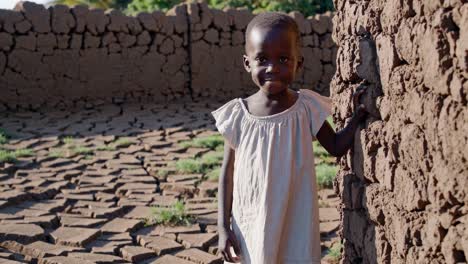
x=213, y=175
x=12, y=155
x=4, y=137
x=136, y=6
x=211, y=142
x=122, y=143
x=319, y=151
x=334, y=253
x=201, y=165
x=106, y=148
x=189, y=166
x=306, y=7
x=69, y=141
x=163, y=173
x=56, y=153
x=325, y=175
x=82, y=150
x=212, y=159
x=174, y=215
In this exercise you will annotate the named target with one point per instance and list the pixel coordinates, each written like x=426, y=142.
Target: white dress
x=275, y=206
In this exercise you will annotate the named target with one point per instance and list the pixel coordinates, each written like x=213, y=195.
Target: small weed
x=69, y=141
x=189, y=166
x=213, y=175
x=56, y=153
x=13, y=155
x=201, y=165
x=325, y=175
x=211, y=142
x=122, y=143
x=105, y=148
x=88, y=157
x=334, y=253
x=212, y=159
x=82, y=150
x=220, y=148
x=4, y=136
x=319, y=151
x=323, y=204
x=172, y=216
x=163, y=173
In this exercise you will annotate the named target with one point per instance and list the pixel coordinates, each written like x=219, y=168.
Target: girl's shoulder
x=313, y=96
x=229, y=108
x=227, y=120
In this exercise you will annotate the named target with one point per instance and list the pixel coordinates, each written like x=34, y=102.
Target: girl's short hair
x=272, y=20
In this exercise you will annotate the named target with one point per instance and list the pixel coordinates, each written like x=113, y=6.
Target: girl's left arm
x=338, y=143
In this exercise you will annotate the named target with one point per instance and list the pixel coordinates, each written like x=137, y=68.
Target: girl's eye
x=283, y=60
x=260, y=59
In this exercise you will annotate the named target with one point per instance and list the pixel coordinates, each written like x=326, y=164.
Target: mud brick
x=74, y=236
x=199, y=256
x=139, y=212
x=183, y=177
x=119, y=225
x=64, y=260
x=329, y=214
x=81, y=222
x=169, y=259
x=22, y=233
x=160, y=245
x=136, y=254
x=97, y=258
x=201, y=240
x=39, y=249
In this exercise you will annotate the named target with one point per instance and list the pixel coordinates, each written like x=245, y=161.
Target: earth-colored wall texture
x=404, y=186
x=77, y=57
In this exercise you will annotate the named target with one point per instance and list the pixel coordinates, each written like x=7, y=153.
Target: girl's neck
x=282, y=96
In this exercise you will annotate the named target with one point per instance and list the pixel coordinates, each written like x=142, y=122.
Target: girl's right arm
x=227, y=239
x=225, y=187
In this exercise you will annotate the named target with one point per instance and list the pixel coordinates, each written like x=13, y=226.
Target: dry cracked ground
x=82, y=186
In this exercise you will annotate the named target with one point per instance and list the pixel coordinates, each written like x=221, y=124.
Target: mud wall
x=404, y=185
x=77, y=57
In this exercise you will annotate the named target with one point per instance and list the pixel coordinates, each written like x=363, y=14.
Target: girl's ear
x=246, y=63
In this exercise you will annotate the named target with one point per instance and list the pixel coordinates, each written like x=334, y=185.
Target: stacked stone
x=66, y=57
x=404, y=188
x=217, y=46
x=319, y=51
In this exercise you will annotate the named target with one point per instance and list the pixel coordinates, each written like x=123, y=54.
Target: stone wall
x=77, y=57
x=404, y=185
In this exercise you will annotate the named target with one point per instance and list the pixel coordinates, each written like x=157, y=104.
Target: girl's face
x=272, y=58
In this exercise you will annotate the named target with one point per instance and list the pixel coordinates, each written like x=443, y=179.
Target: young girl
x=267, y=178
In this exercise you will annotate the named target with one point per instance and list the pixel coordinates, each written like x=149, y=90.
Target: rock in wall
x=217, y=45
x=71, y=57
x=404, y=185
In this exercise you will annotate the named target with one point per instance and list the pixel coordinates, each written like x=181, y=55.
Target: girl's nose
x=272, y=67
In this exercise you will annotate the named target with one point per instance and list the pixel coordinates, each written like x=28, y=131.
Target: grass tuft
x=4, y=136
x=211, y=142
x=173, y=216
x=325, y=175
x=213, y=175
x=122, y=143
x=13, y=155
x=334, y=253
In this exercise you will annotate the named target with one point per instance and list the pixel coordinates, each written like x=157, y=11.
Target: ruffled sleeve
x=318, y=108
x=228, y=118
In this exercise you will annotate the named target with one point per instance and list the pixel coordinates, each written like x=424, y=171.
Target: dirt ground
x=83, y=183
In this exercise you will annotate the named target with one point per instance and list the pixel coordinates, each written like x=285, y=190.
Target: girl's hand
x=360, y=110
x=226, y=240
